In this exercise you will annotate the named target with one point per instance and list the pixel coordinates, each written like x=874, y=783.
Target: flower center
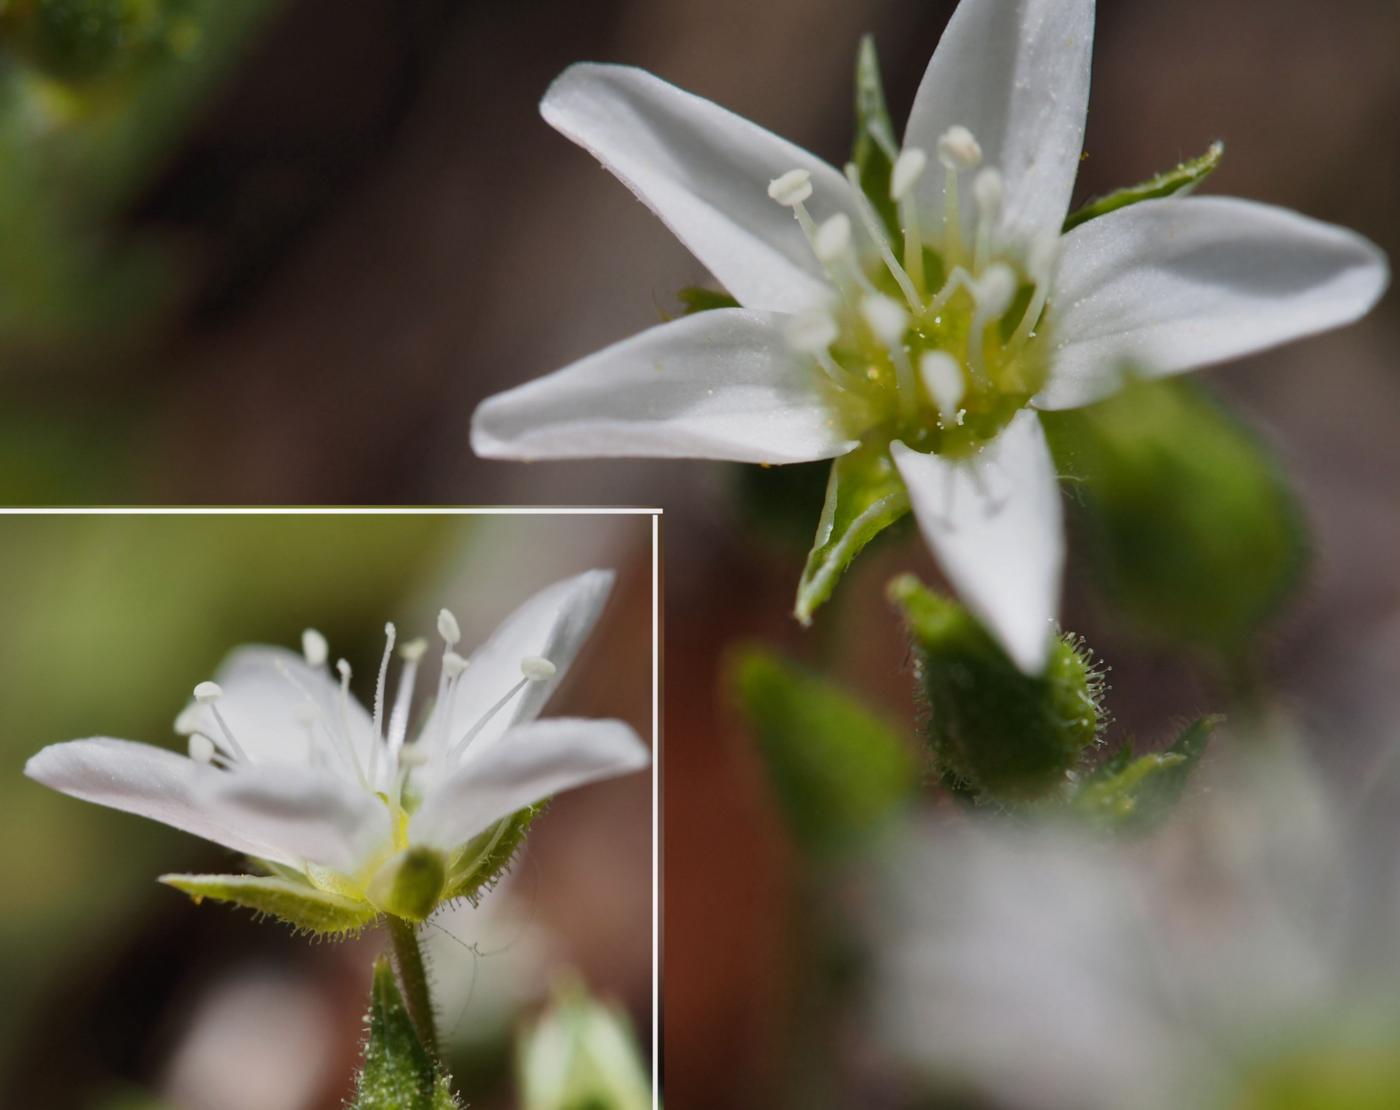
x=935, y=343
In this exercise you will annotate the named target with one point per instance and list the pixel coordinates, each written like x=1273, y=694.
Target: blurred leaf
x=1195, y=535
x=1174, y=182
x=996, y=732
x=300, y=905
x=1135, y=795
x=836, y=768
x=875, y=148
x=864, y=496
x=696, y=298
x=488, y=856
x=398, y=1072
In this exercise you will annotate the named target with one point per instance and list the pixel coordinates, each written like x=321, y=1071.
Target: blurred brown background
x=376, y=231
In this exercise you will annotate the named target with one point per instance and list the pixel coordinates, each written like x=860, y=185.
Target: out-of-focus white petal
x=1170, y=285
x=717, y=385
x=705, y=172
x=309, y=813
x=1015, y=73
x=994, y=523
x=150, y=782
x=527, y=764
x=552, y=625
x=265, y=694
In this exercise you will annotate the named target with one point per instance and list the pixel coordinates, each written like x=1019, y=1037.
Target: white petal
x=529, y=763
x=705, y=172
x=308, y=812
x=553, y=625
x=994, y=523
x=265, y=694
x=1015, y=73
x=150, y=782
x=717, y=385
x=1170, y=285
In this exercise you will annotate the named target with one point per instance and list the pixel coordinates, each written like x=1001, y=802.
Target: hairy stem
x=413, y=979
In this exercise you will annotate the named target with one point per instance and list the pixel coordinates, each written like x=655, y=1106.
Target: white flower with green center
x=923, y=303
x=352, y=813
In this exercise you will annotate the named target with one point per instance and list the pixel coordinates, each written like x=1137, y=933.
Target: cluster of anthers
x=383, y=762
x=938, y=345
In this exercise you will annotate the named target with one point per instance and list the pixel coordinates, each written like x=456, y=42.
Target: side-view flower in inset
x=907, y=323
x=351, y=813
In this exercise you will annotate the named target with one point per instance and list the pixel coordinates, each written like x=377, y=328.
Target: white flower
x=830, y=347
x=286, y=766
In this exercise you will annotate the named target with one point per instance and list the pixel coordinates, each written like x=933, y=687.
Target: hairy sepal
x=299, y=905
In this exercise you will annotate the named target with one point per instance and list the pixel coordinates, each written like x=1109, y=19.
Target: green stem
x=413, y=978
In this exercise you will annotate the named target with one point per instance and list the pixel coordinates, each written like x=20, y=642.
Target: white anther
x=342, y=668
x=207, y=692
x=791, y=189
x=989, y=191
x=943, y=378
x=812, y=332
x=537, y=668
x=908, y=168
x=314, y=647
x=958, y=149
x=886, y=318
x=201, y=748
x=453, y=664
x=413, y=651
x=833, y=238
x=995, y=290
x=1041, y=258
x=412, y=755
x=448, y=628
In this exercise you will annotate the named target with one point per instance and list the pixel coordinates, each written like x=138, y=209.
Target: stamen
x=390, y=632
x=202, y=749
x=832, y=246
x=958, y=278
x=792, y=188
x=343, y=669
x=993, y=293
x=208, y=693
x=537, y=668
x=871, y=222
x=448, y=627
x=958, y=150
x=943, y=378
x=1040, y=262
x=453, y=664
x=471, y=733
x=989, y=191
x=908, y=168
x=410, y=653
x=314, y=648
x=812, y=333
x=888, y=322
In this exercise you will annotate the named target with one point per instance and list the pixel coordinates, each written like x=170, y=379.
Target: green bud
x=1195, y=535
x=838, y=770
x=581, y=1055
x=411, y=884
x=398, y=1071
x=995, y=731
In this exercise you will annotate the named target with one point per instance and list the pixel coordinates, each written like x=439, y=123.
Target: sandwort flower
x=352, y=812
x=923, y=326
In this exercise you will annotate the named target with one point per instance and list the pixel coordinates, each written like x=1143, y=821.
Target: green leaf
x=836, y=768
x=1179, y=181
x=875, y=148
x=995, y=732
x=1135, y=795
x=1192, y=531
x=488, y=855
x=696, y=298
x=298, y=904
x=398, y=1072
x=864, y=496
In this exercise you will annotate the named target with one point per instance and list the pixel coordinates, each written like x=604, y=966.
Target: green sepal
x=1192, y=530
x=697, y=298
x=864, y=496
x=410, y=885
x=996, y=733
x=398, y=1073
x=1134, y=795
x=300, y=905
x=875, y=148
x=837, y=769
x=1174, y=182
x=488, y=855
x=777, y=504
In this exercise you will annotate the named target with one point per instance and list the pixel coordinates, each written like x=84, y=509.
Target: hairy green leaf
x=1135, y=795
x=398, y=1072
x=298, y=904
x=864, y=496
x=1178, y=181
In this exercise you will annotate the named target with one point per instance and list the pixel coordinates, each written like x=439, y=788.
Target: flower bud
x=579, y=1053
x=995, y=731
x=410, y=885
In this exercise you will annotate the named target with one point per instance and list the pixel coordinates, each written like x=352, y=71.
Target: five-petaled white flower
x=937, y=338
x=286, y=766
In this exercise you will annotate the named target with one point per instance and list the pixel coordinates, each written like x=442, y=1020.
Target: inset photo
x=310, y=809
